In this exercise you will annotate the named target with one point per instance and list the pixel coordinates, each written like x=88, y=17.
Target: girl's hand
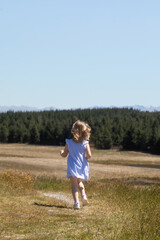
x=61, y=152
x=88, y=152
x=64, y=152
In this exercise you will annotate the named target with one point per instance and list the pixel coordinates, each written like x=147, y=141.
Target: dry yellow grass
x=104, y=163
x=118, y=210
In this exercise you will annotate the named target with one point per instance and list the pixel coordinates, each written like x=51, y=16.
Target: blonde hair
x=81, y=131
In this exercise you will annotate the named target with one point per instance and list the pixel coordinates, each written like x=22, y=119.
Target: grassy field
x=36, y=202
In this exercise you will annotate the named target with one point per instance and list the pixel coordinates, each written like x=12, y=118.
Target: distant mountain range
x=23, y=109
x=146, y=108
x=34, y=109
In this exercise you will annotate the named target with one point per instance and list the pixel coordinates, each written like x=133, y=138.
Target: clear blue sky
x=78, y=54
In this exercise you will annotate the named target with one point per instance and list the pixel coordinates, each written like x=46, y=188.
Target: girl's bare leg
x=82, y=191
x=81, y=187
x=74, y=186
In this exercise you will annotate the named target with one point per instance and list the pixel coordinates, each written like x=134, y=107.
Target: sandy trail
x=59, y=196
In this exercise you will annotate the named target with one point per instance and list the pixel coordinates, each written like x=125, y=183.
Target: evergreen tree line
x=126, y=128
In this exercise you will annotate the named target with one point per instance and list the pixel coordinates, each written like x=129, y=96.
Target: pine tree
x=3, y=134
x=34, y=135
x=103, y=139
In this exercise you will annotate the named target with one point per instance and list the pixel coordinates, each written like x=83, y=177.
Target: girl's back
x=76, y=150
x=77, y=164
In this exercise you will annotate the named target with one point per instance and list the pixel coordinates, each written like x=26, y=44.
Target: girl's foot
x=84, y=200
x=76, y=205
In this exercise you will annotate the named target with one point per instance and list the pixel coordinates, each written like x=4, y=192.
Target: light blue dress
x=77, y=164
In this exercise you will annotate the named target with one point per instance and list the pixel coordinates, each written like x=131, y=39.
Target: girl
x=78, y=151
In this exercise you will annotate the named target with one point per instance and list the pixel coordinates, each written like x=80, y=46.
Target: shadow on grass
x=50, y=205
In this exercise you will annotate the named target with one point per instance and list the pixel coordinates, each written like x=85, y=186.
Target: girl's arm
x=64, y=152
x=88, y=152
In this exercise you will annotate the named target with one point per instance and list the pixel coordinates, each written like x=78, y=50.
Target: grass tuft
x=16, y=181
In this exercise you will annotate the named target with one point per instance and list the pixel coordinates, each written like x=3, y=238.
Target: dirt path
x=116, y=171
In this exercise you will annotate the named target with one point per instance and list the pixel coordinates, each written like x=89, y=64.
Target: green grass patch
x=50, y=183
